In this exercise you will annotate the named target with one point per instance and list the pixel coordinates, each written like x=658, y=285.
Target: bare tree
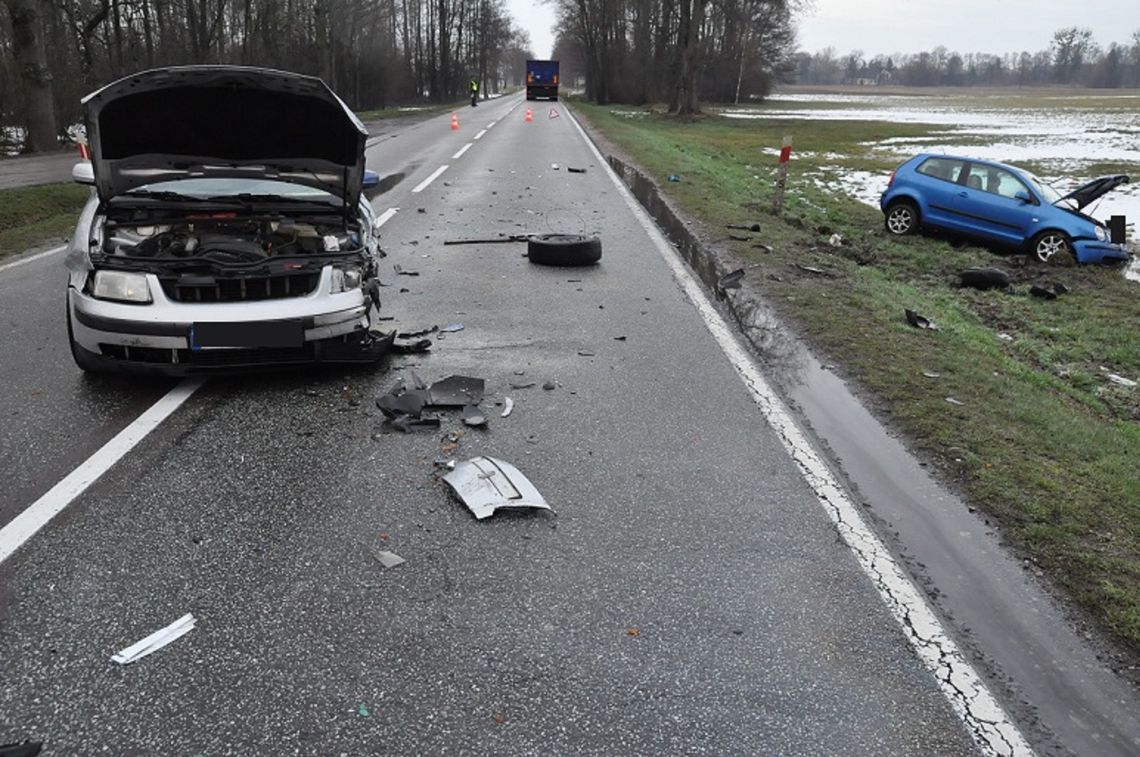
x=34, y=77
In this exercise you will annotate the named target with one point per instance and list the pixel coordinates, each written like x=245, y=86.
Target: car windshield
x=1046, y=191
x=261, y=189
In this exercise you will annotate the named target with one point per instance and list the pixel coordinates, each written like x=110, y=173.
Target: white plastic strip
x=25, y=525
x=984, y=718
x=155, y=641
x=33, y=258
x=424, y=184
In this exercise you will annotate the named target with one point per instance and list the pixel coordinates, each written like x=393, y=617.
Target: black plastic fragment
x=920, y=321
x=409, y=403
x=407, y=348
x=984, y=278
x=408, y=424
x=417, y=334
x=1042, y=292
x=731, y=280
x=26, y=749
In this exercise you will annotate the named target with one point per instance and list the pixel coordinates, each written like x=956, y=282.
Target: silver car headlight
x=1101, y=234
x=120, y=286
x=344, y=279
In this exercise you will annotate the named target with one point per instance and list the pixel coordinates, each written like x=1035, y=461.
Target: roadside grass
x=36, y=216
x=1043, y=443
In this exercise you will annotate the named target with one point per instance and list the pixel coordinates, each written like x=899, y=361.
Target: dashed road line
x=33, y=258
x=459, y=153
x=481, y=133
x=25, y=525
x=424, y=184
x=988, y=724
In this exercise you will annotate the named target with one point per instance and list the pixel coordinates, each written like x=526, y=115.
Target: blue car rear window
x=942, y=168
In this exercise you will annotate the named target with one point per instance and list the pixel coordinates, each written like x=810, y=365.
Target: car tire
x=1051, y=247
x=902, y=218
x=87, y=361
x=564, y=249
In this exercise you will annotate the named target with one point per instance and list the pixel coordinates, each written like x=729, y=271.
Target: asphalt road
x=690, y=596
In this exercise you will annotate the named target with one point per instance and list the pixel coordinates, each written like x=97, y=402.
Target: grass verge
x=37, y=216
x=1042, y=442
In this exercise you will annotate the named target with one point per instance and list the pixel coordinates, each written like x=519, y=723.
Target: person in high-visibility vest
x=474, y=85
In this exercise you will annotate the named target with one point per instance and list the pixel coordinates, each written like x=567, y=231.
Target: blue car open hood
x=1088, y=193
x=223, y=122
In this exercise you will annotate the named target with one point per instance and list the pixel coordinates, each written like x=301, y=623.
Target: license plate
x=208, y=335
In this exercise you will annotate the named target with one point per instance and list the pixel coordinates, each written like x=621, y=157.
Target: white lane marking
x=484, y=131
x=424, y=184
x=33, y=258
x=988, y=724
x=462, y=150
x=492, y=124
x=36, y=516
x=386, y=216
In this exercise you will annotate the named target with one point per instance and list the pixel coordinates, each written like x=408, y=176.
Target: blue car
x=1000, y=204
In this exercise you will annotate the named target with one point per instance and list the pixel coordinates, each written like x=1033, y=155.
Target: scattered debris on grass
x=813, y=269
x=749, y=227
x=1042, y=292
x=920, y=321
x=674, y=177
x=953, y=401
x=487, y=484
x=984, y=278
x=836, y=240
x=731, y=280
x=931, y=374
x=1116, y=379
x=156, y=640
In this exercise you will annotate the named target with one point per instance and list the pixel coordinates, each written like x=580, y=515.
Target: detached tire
x=564, y=249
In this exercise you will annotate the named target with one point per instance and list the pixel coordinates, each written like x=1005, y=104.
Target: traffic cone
x=529, y=117
x=455, y=122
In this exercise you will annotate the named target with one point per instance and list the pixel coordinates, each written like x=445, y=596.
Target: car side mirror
x=1024, y=197
x=83, y=173
x=371, y=179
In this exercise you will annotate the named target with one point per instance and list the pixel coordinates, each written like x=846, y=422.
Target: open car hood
x=1087, y=193
x=225, y=122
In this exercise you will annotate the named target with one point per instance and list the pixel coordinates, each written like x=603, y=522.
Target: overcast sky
x=908, y=26
x=983, y=26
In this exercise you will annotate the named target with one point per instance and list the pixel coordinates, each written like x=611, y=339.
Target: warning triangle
x=553, y=113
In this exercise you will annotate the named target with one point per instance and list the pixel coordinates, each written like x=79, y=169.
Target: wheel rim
x=1049, y=246
x=900, y=220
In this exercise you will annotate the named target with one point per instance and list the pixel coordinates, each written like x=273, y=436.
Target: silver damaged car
x=227, y=227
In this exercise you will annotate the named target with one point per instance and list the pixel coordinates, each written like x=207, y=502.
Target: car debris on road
x=920, y=321
x=156, y=640
x=487, y=484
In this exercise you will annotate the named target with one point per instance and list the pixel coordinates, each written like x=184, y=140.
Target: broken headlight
x=120, y=286
x=1101, y=234
x=344, y=279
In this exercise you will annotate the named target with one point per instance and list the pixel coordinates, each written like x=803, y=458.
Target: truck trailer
x=542, y=80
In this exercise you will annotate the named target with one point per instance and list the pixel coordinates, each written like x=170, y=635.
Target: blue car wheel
x=902, y=218
x=1051, y=247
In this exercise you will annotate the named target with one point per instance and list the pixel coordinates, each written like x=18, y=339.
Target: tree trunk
x=35, y=79
x=685, y=100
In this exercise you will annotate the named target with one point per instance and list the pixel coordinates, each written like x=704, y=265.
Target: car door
x=938, y=180
x=989, y=205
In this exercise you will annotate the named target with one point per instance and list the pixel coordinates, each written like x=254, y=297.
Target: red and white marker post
x=782, y=176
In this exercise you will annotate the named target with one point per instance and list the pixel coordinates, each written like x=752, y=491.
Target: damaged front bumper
x=1092, y=251
x=179, y=338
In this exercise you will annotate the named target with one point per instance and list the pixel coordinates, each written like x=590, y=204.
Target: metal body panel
x=487, y=484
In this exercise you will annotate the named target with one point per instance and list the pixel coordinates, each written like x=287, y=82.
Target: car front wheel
x=1051, y=247
x=902, y=218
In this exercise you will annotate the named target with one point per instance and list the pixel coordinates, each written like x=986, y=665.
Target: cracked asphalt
x=690, y=596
